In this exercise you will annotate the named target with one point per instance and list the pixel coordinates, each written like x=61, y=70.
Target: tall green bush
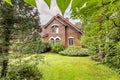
x=25, y=69
x=112, y=59
x=57, y=47
x=32, y=47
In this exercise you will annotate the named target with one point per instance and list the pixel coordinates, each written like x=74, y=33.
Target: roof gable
x=63, y=21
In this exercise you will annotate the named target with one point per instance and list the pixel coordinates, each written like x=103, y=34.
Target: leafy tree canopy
x=83, y=7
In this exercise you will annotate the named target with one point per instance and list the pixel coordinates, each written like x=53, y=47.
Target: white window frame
x=53, y=29
x=58, y=38
x=69, y=40
x=56, y=29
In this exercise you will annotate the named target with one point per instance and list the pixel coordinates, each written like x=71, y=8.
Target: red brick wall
x=61, y=33
x=71, y=32
x=67, y=32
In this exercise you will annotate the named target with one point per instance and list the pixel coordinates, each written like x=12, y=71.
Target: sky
x=47, y=13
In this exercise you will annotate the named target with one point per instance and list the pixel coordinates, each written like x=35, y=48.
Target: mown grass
x=58, y=67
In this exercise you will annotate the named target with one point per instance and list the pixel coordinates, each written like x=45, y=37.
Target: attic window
x=57, y=29
x=53, y=29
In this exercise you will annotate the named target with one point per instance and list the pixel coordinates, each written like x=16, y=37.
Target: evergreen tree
x=20, y=18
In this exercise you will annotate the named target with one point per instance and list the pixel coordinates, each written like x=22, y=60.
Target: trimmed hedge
x=75, y=52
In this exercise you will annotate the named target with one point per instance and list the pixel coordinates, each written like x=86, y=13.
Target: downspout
x=66, y=40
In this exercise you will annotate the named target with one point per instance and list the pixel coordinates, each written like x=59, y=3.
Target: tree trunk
x=4, y=68
x=6, y=44
x=101, y=53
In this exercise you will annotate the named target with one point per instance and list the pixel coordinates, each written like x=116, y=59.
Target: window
x=70, y=41
x=57, y=40
x=53, y=29
x=52, y=41
x=57, y=29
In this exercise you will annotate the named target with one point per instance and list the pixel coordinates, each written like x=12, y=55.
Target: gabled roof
x=63, y=21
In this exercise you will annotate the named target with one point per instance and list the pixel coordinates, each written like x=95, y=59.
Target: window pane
x=53, y=30
x=57, y=40
x=57, y=29
x=52, y=41
x=70, y=41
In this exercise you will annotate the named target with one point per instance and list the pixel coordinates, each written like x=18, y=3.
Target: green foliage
x=32, y=47
x=78, y=3
x=8, y=1
x=78, y=6
x=75, y=52
x=64, y=5
x=17, y=21
x=25, y=69
x=57, y=47
x=118, y=47
x=48, y=2
x=101, y=26
x=84, y=8
x=112, y=58
x=32, y=2
x=46, y=47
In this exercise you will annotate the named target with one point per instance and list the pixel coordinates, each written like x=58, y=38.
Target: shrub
x=24, y=72
x=32, y=47
x=47, y=46
x=75, y=52
x=57, y=47
x=17, y=46
x=25, y=69
x=112, y=58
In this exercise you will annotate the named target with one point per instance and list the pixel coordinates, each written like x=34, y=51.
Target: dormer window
x=55, y=29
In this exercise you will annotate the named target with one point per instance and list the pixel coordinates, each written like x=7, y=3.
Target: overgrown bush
x=112, y=58
x=25, y=69
x=57, y=47
x=75, y=52
x=32, y=47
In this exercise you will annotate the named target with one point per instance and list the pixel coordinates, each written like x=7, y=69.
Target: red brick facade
x=66, y=30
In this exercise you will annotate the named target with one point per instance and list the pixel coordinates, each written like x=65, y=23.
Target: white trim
x=68, y=41
x=51, y=38
x=57, y=37
x=55, y=25
x=70, y=37
x=57, y=30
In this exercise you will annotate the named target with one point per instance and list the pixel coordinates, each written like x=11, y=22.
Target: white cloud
x=46, y=14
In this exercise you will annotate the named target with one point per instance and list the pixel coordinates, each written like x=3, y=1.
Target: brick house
x=59, y=29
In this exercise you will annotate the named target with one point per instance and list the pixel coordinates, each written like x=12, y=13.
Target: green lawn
x=58, y=67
